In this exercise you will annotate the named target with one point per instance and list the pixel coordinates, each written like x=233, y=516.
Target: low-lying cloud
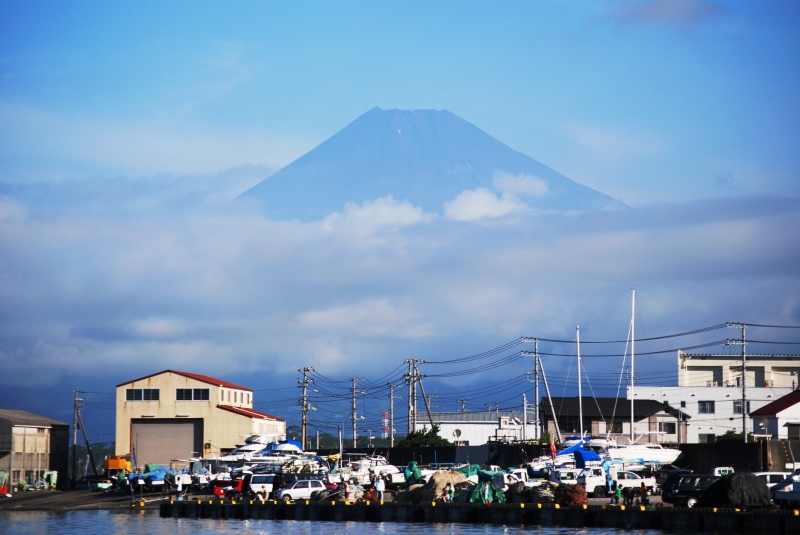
x=218, y=288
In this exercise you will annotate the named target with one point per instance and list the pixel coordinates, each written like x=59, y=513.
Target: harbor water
x=150, y=523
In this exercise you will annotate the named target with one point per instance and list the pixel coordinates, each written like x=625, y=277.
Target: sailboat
x=646, y=452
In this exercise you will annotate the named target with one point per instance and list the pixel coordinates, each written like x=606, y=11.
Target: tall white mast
x=580, y=398
x=633, y=352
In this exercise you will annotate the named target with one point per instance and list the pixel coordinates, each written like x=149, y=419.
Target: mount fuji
x=425, y=157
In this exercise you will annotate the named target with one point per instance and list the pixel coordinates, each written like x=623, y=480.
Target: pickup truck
x=786, y=494
x=517, y=475
x=595, y=480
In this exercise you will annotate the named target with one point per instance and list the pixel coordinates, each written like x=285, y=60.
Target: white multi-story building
x=713, y=410
x=726, y=370
x=710, y=390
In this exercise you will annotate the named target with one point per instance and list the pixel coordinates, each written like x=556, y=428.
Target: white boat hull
x=646, y=453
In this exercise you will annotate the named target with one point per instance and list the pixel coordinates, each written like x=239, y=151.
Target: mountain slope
x=426, y=157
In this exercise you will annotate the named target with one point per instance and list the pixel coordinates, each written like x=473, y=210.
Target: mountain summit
x=426, y=157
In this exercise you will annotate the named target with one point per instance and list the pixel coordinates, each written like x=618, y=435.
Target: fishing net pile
x=521, y=493
x=740, y=490
x=433, y=489
x=570, y=495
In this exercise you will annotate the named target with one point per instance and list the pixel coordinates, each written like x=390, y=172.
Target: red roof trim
x=196, y=376
x=244, y=411
x=778, y=405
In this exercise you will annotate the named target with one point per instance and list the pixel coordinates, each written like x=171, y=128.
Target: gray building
x=32, y=446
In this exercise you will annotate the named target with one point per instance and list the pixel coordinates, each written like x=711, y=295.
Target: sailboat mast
x=633, y=353
x=580, y=395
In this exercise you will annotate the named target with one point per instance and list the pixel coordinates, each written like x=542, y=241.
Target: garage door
x=160, y=441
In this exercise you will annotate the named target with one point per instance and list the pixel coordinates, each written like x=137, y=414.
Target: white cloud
x=520, y=184
x=52, y=146
x=373, y=318
x=374, y=215
x=608, y=144
x=481, y=203
x=225, y=291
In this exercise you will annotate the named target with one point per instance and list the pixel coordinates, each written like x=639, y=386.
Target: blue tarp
x=570, y=450
x=584, y=456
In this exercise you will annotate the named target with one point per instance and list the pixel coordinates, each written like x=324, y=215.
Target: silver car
x=299, y=490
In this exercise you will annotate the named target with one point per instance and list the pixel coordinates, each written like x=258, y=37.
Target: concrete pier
x=667, y=518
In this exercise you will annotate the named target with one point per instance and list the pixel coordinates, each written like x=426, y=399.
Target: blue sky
x=126, y=127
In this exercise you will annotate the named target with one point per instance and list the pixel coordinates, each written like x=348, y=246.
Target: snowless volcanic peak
x=425, y=157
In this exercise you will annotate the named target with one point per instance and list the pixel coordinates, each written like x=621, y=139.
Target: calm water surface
x=149, y=523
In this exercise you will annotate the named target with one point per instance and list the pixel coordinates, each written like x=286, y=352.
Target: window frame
x=706, y=407
x=192, y=394
x=138, y=394
x=737, y=406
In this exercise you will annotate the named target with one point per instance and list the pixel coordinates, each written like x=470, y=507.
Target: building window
x=222, y=395
x=614, y=427
x=737, y=406
x=705, y=407
x=707, y=438
x=683, y=404
x=141, y=394
x=192, y=394
x=667, y=427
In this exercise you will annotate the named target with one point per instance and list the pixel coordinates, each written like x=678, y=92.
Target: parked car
x=689, y=489
x=772, y=478
x=299, y=490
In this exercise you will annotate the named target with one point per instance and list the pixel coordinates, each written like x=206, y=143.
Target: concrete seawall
x=666, y=518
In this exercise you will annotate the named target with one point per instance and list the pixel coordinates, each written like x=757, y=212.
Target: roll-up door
x=157, y=441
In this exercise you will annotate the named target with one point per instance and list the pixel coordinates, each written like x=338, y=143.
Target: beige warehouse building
x=173, y=415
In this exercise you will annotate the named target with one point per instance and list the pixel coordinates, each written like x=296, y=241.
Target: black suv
x=688, y=490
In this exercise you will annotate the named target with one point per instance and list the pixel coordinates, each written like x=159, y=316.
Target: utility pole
x=580, y=394
x=422, y=388
x=524, y=417
x=429, y=397
x=75, y=438
x=633, y=355
x=304, y=406
x=537, y=432
x=743, y=343
x=537, y=429
x=391, y=413
x=354, y=415
x=411, y=379
x=463, y=405
x=546, y=386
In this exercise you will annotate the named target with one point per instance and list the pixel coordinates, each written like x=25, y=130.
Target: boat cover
x=584, y=456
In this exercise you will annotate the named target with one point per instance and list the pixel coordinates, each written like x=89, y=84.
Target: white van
x=261, y=481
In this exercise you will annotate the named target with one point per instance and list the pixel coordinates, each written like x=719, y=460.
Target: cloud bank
x=106, y=282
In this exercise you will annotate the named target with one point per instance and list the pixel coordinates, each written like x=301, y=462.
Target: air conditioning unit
x=504, y=422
